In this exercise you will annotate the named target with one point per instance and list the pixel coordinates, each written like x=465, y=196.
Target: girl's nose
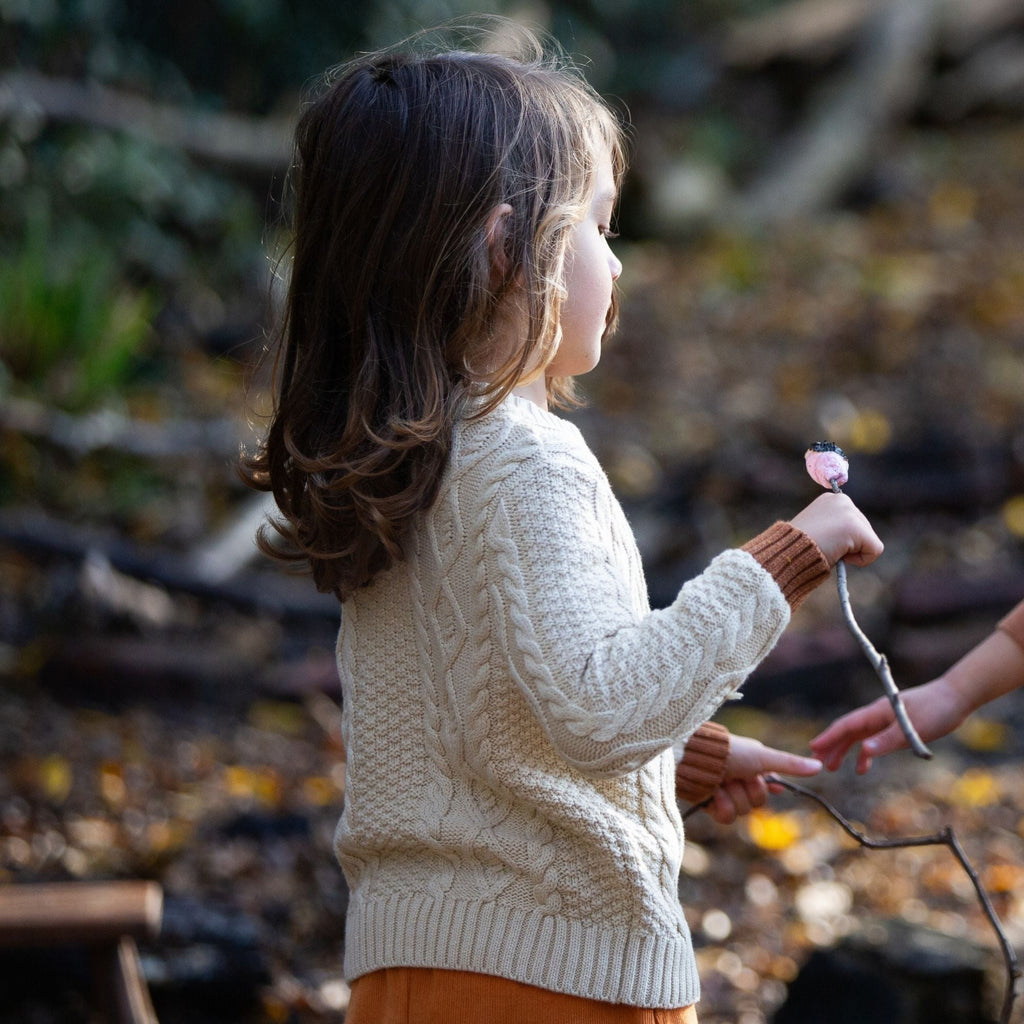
x=616, y=267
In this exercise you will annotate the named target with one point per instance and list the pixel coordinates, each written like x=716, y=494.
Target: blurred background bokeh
x=823, y=237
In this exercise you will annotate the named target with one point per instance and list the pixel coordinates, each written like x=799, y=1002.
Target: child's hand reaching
x=744, y=786
x=989, y=670
x=839, y=529
x=935, y=709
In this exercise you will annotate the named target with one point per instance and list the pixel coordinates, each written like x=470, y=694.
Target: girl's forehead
x=606, y=188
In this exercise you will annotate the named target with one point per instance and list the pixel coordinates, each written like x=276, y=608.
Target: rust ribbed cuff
x=702, y=768
x=792, y=558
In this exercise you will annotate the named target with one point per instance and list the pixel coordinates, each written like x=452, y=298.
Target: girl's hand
x=935, y=709
x=988, y=670
x=744, y=786
x=839, y=529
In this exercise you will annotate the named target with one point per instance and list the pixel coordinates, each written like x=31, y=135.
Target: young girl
x=510, y=837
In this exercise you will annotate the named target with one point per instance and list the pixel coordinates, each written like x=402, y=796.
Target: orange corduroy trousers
x=416, y=995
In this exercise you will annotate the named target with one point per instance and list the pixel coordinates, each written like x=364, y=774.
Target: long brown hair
x=386, y=338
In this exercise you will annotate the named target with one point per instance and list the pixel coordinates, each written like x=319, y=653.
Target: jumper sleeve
x=1012, y=624
x=702, y=768
x=792, y=558
x=613, y=683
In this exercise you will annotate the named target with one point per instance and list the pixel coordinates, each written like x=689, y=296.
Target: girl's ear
x=495, y=232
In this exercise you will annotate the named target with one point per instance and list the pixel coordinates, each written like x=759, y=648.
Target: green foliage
x=103, y=234
x=69, y=328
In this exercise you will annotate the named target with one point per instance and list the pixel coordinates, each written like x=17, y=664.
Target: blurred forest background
x=823, y=237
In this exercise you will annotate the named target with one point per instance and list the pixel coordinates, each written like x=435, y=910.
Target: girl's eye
x=607, y=233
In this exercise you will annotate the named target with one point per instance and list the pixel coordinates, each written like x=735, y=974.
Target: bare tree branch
x=801, y=28
x=841, y=137
x=260, y=143
x=820, y=29
x=275, y=591
x=944, y=837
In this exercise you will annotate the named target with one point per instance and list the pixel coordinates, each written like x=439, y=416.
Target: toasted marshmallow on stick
x=827, y=464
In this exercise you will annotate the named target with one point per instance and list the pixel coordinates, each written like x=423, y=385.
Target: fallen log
x=276, y=592
x=107, y=429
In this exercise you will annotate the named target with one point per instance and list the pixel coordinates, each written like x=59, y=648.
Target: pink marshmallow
x=826, y=462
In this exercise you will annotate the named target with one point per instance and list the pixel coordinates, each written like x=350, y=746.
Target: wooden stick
x=91, y=913
x=132, y=1002
x=878, y=661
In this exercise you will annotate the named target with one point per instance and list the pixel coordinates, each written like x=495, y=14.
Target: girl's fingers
x=785, y=763
x=885, y=742
x=833, y=743
x=721, y=808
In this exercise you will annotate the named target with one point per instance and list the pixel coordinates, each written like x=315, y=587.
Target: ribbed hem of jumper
x=702, y=768
x=616, y=965
x=1012, y=624
x=792, y=558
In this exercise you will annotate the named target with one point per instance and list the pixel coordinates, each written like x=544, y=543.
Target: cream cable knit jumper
x=510, y=703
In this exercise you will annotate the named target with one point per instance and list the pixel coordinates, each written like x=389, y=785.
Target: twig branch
x=878, y=661
x=880, y=664
x=945, y=837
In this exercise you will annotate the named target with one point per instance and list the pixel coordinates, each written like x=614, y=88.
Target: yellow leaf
x=1003, y=877
x=167, y=836
x=870, y=431
x=1013, y=514
x=55, y=777
x=237, y=780
x=112, y=787
x=261, y=785
x=984, y=735
x=772, y=831
x=280, y=716
x=320, y=790
x=975, y=788
x=275, y=1008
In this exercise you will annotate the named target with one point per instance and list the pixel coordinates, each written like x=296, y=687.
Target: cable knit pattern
x=510, y=704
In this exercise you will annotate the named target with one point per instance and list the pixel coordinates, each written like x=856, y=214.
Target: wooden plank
x=90, y=913
x=132, y=1004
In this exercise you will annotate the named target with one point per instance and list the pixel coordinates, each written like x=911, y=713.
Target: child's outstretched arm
x=740, y=784
x=991, y=669
x=612, y=682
